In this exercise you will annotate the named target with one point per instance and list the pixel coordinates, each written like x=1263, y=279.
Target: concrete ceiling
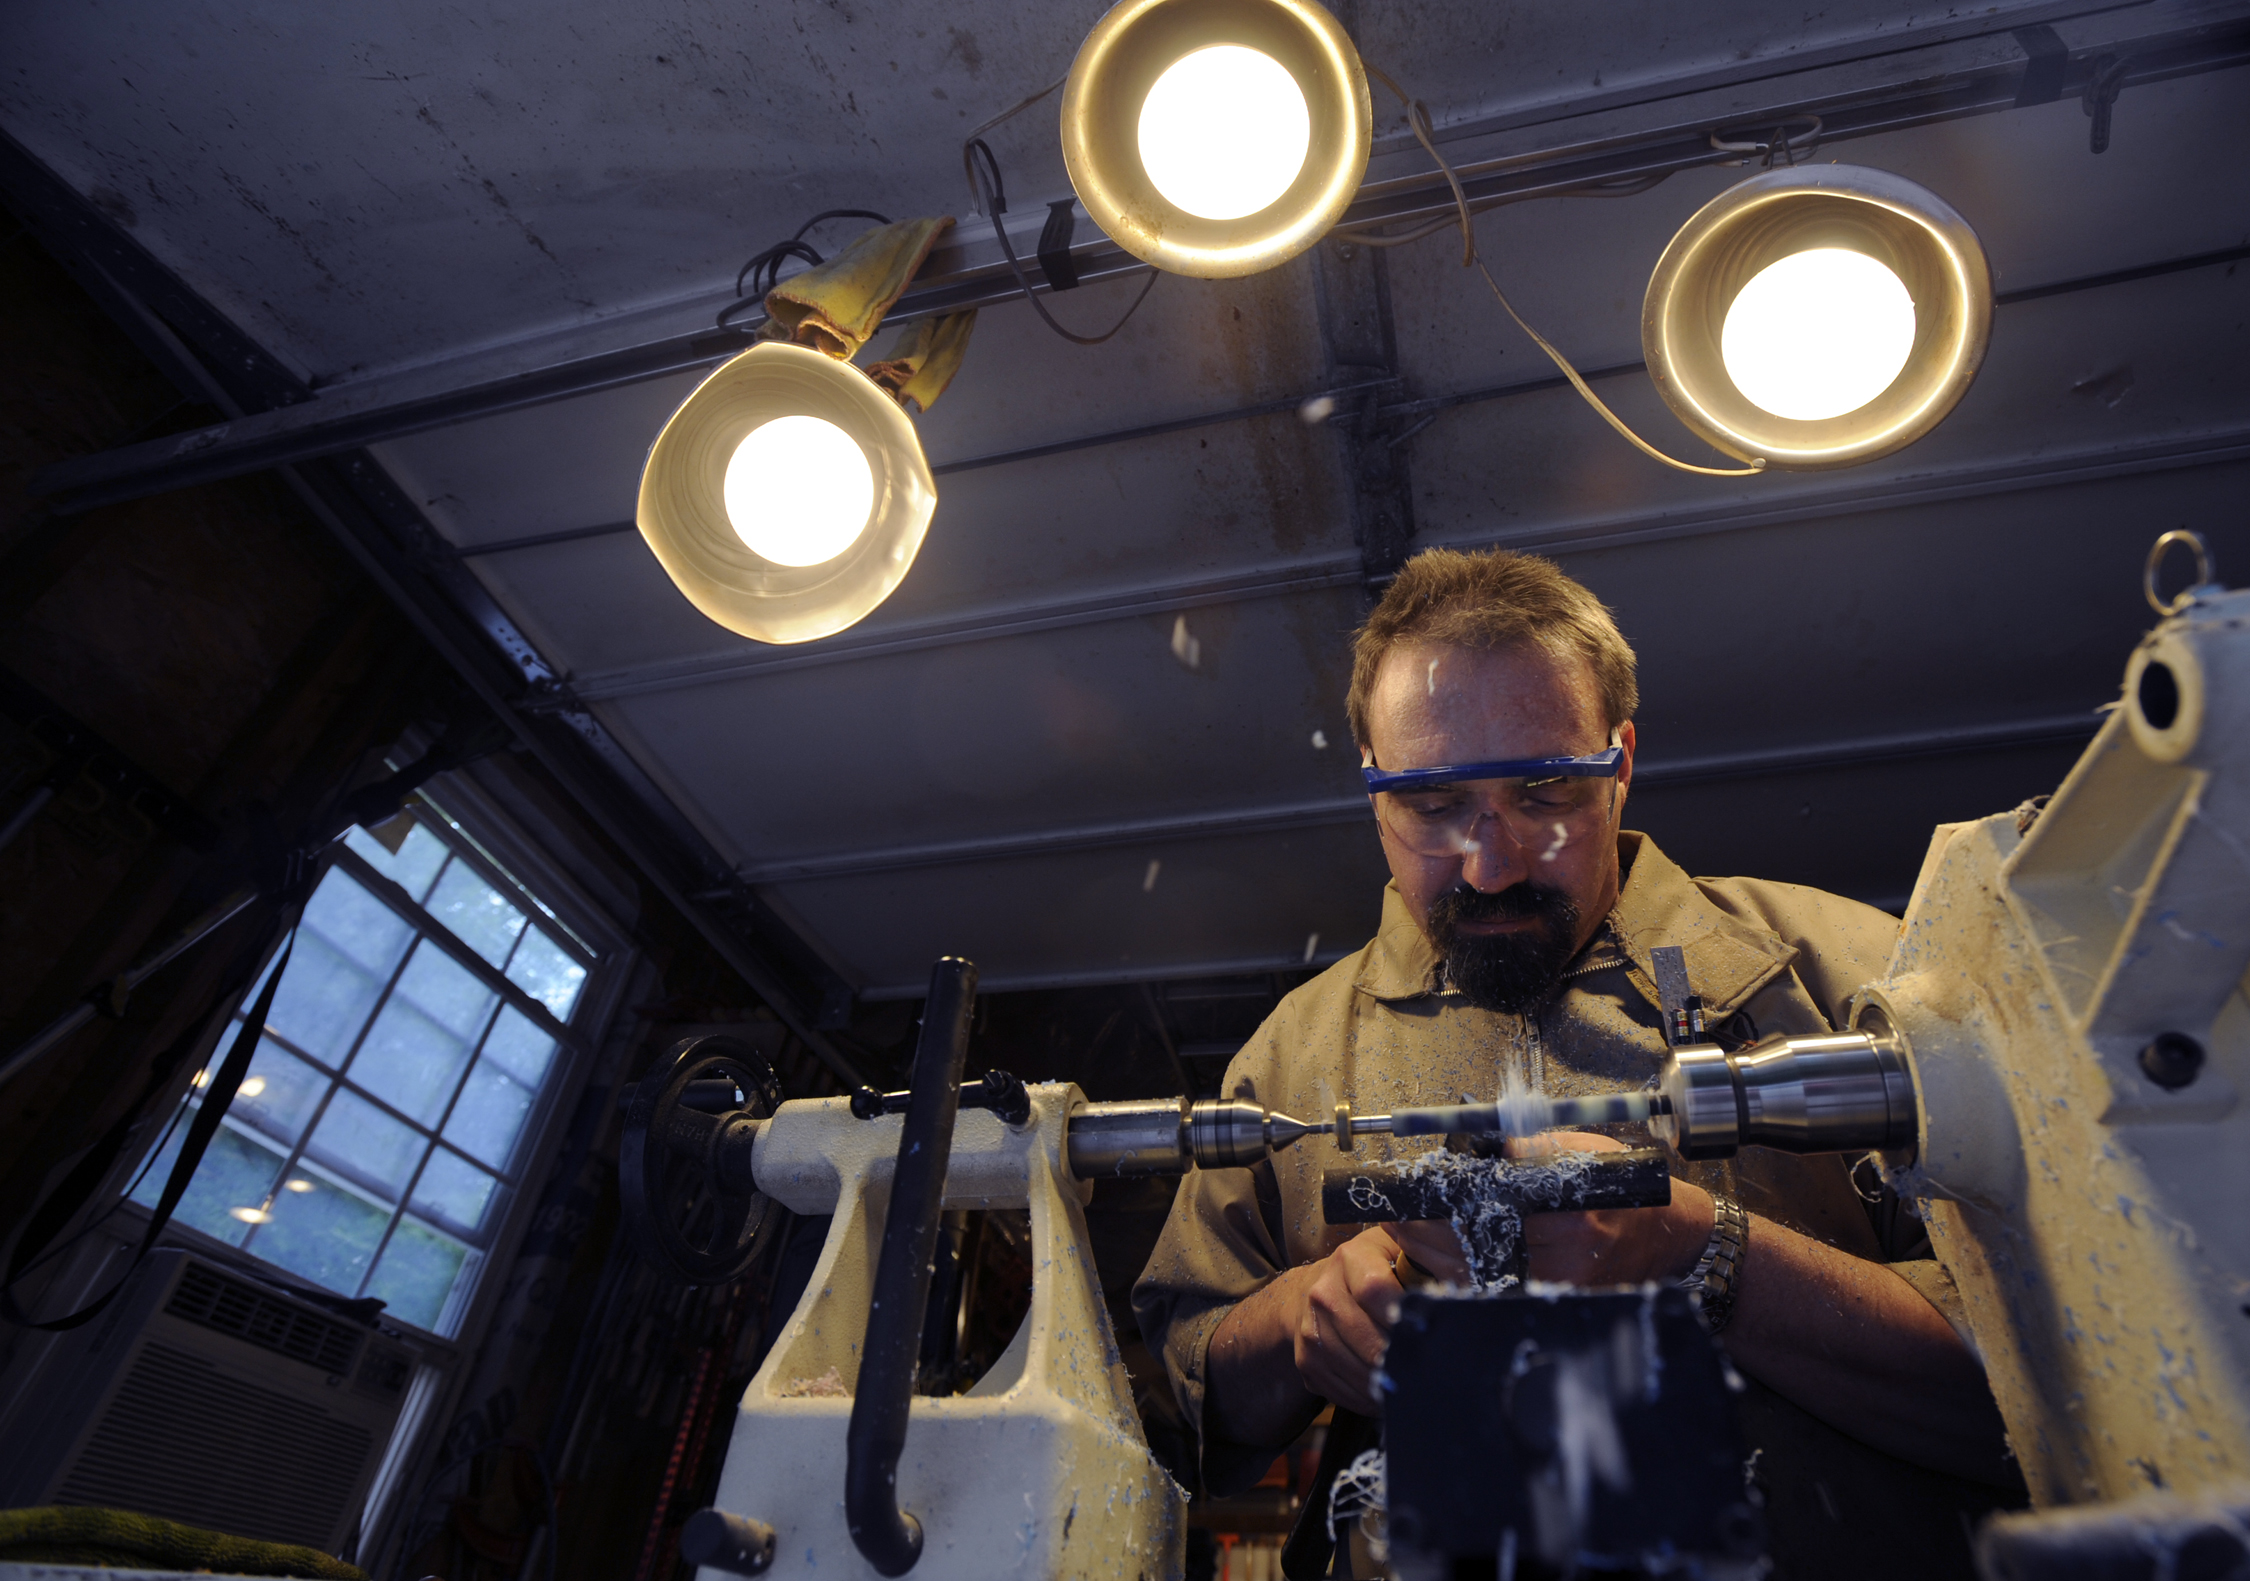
x=1009, y=760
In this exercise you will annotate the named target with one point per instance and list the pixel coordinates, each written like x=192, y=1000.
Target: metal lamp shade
x=1130, y=48
x=683, y=511
x=1771, y=216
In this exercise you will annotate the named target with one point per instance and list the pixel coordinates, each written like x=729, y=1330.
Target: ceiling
x=1011, y=759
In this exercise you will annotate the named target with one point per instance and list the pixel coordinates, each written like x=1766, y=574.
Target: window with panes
x=423, y=1021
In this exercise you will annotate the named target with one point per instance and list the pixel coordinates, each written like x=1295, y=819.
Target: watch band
x=1718, y=1272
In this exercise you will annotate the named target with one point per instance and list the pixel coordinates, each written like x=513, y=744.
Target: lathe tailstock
x=836, y=1467
x=1040, y=1469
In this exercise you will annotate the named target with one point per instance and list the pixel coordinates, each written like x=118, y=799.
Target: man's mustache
x=1523, y=902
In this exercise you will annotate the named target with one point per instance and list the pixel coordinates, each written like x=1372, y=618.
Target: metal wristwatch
x=1718, y=1272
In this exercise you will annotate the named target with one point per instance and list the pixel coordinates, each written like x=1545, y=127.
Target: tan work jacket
x=1377, y=1031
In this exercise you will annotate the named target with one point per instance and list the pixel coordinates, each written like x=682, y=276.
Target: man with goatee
x=1492, y=701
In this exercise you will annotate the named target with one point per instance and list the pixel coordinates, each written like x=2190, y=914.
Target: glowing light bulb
x=301, y=1185
x=252, y=1086
x=799, y=490
x=251, y=1215
x=1818, y=334
x=1224, y=132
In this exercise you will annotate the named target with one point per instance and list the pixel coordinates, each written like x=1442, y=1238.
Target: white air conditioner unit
x=208, y=1398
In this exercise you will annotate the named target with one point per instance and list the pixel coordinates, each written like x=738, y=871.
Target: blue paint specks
x=2170, y=922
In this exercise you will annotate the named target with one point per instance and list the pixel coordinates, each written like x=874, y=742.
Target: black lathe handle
x=890, y=1538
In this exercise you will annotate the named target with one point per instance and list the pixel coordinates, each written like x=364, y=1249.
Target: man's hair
x=1495, y=599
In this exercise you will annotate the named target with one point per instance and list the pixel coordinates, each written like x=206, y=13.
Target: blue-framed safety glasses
x=1542, y=804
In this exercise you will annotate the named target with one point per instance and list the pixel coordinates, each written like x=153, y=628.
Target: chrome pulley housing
x=691, y=1205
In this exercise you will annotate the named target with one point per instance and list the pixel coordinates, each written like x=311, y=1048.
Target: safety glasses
x=1543, y=805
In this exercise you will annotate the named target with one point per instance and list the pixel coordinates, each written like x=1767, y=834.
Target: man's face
x=1506, y=912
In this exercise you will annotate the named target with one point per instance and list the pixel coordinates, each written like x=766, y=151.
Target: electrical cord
x=990, y=196
x=1372, y=237
x=763, y=271
x=148, y=1163
x=994, y=203
x=977, y=131
x=226, y=1076
x=1418, y=118
x=1780, y=143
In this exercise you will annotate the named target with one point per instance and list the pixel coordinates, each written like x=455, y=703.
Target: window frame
x=600, y=912
x=478, y=831
x=337, y=1074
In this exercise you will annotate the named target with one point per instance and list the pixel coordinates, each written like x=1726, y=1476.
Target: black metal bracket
x=2101, y=93
x=996, y=1090
x=1054, y=245
x=2046, y=62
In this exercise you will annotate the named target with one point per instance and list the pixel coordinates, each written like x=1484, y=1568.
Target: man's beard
x=1510, y=971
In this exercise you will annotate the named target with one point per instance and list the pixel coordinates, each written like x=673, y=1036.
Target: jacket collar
x=1399, y=962
x=1728, y=959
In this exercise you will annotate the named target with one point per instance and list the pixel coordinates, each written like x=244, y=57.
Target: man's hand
x=1316, y=1333
x=1343, y=1319
x=1332, y=1318
x=1612, y=1246
x=1850, y=1341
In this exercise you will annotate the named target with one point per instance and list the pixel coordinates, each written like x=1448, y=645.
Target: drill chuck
x=1844, y=1092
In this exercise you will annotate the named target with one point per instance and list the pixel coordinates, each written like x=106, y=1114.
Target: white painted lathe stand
x=1040, y=1471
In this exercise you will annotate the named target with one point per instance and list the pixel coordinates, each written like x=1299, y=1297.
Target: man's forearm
x=1848, y=1340
x=1856, y=1345
x=1252, y=1391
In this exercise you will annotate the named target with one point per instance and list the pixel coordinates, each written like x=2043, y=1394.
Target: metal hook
x=2205, y=578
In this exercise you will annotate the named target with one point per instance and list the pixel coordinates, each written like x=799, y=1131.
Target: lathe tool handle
x=890, y=1538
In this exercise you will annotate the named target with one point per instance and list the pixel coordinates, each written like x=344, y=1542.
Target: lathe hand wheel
x=684, y=1166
